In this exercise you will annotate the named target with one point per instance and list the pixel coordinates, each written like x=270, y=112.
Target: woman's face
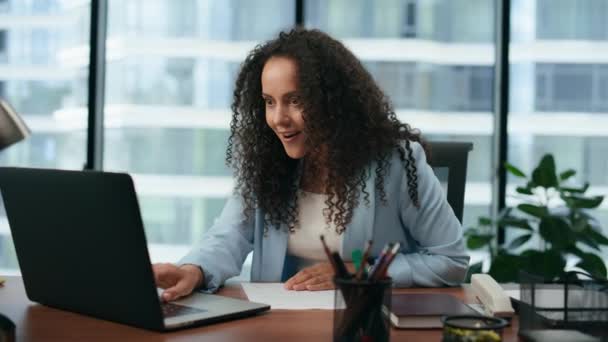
x=283, y=106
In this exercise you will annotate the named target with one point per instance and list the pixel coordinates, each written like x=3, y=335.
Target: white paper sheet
x=279, y=298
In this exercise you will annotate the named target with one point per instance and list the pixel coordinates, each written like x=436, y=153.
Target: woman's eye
x=295, y=101
x=268, y=102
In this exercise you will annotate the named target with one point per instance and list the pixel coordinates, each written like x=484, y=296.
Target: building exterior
x=171, y=66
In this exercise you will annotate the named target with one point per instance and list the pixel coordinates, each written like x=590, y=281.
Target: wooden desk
x=40, y=323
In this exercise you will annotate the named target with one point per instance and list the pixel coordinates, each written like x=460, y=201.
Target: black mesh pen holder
x=361, y=310
x=578, y=301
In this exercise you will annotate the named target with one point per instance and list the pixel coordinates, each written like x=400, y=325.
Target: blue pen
x=379, y=259
x=388, y=259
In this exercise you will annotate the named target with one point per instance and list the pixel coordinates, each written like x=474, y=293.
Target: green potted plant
x=558, y=214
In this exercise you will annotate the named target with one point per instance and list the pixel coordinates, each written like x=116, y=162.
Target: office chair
x=449, y=162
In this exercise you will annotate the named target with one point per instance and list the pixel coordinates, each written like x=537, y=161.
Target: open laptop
x=81, y=247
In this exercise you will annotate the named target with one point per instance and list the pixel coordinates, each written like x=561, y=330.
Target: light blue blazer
x=432, y=247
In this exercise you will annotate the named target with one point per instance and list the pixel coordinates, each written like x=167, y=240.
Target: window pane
x=558, y=92
x=169, y=79
x=435, y=60
x=40, y=76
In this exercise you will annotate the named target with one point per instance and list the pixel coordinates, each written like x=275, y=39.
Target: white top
x=304, y=243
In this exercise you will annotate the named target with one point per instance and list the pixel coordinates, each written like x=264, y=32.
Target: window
x=3, y=47
x=571, y=87
x=168, y=93
x=41, y=81
x=4, y=6
x=41, y=41
x=409, y=26
x=570, y=94
x=566, y=19
x=171, y=67
x=601, y=96
x=42, y=6
x=3, y=41
x=429, y=65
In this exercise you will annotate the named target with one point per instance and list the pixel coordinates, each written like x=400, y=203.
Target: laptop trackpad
x=210, y=306
x=174, y=310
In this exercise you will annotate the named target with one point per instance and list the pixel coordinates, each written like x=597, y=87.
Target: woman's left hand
x=315, y=278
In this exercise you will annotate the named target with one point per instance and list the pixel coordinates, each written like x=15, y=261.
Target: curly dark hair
x=344, y=110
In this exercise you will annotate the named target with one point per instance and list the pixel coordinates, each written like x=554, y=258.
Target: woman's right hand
x=177, y=281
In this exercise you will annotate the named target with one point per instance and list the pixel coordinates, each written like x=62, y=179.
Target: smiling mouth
x=290, y=135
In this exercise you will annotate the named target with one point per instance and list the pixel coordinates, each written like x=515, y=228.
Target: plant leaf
x=597, y=236
x=520, y=240
x=584, y=202
x=574, y=250
x=514, y=171
x=576, y=190
x=478, y=241
x=523, y=190
x=544, y=174
x=533, y=210
x=549, y=264
x=567, y=174
x=484, y=221
x=579, y=223
x=592, y=264
x=588, y=241
x=585, y=237
x=514, y=222
x=505, y=268
x=556, y=231
x=471, y=231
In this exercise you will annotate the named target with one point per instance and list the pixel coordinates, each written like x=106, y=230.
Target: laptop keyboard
x=173, y=310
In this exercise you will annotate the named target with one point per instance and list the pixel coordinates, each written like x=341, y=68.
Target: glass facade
x=171, y=66
x=559, y=83
x=170, y=73
x=43, y=86
x=447, y=97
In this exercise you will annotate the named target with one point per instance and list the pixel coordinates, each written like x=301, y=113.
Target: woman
x=317, y=149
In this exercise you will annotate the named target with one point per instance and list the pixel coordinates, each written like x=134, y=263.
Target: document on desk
x=279, y=298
